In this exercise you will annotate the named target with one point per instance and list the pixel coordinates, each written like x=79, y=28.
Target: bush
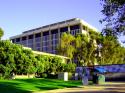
x=1, y=76
x=43, y=75
x=70, y=76
x=14, y=58
x=70, y=67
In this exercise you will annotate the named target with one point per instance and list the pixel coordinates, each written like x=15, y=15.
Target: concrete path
x=108, y=87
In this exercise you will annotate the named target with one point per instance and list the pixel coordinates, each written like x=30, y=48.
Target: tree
x=66, y=47
x=70, y=67
x=82, y=47
x=7, y=63
x=1, y=33
x=114, y=11
x=40, y=64
x=29, y=62
x=97, y=48
x=15, y=59
x=86, y=48
x=110, y=50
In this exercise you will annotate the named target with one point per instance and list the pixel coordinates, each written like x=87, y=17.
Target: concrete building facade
x=46, y=38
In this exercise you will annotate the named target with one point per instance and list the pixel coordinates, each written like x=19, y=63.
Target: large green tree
x=15, y=59
x=110, y=51
x=7, y=62
x=96, y=48
x=86, y=47
x=81, y=47
x=66, y=47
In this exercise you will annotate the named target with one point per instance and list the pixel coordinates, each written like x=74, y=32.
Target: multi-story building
x=46, y=38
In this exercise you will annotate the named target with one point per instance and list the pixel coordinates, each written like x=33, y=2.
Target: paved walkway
x=108, y=87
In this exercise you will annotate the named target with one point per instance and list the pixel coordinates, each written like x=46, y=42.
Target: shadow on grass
x=9, y=87
x=50, y=84
x=30, y=85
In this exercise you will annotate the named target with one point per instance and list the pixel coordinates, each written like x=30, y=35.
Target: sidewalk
x=108, y=87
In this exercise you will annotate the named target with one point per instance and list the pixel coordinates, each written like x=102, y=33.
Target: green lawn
x=30, y=85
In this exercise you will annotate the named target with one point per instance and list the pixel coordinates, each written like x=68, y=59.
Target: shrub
x=43, y=75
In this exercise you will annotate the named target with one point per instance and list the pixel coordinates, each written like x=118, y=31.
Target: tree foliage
x=96, y=48
x=66, y=45
x=70, y=67
x=110, y=51
x=81, y=47
x=86, y=47
x=114, y=11
x=15, y=59
x=1, y=33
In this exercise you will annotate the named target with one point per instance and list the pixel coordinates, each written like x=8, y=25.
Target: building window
x=54, y=36
x=45, y=43
x=64, y=29
x=30, y=37
x=24, y=42
x=37, y=44
x=30, y=41
x=45, y=49
x=54, y=52
x=74, y=27
x=74, y=32
x=23, y=38
x=45, y=38
x=55, y=31
x=54, y=47
x=37, y=35
x=38, y=49
x=38, y=39
x=54, y=42
x=17, y=39
x=45, y=33
x=31, y=46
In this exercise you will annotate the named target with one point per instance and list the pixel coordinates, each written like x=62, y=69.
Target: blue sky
x=17, y=16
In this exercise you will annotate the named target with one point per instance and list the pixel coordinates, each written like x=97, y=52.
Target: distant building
x=46, y=38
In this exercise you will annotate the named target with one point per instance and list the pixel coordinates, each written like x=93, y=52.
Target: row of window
x=74, y=32
x=49, y=49
x=45, y=48
x=44, y=38
x=44, y=43
x=64, y=29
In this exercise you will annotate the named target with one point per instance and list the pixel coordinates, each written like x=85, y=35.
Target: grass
x=31, y=85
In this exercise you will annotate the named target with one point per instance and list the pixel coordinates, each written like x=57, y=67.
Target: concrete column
x=81, y=28
x=34, y=42
x=27, y=40
x=50, y=41
x=41, y=42
x=59, y=38
x=21, y=40
x=69, y=28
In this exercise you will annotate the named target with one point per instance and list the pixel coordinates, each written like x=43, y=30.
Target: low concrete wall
x=24, y=76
